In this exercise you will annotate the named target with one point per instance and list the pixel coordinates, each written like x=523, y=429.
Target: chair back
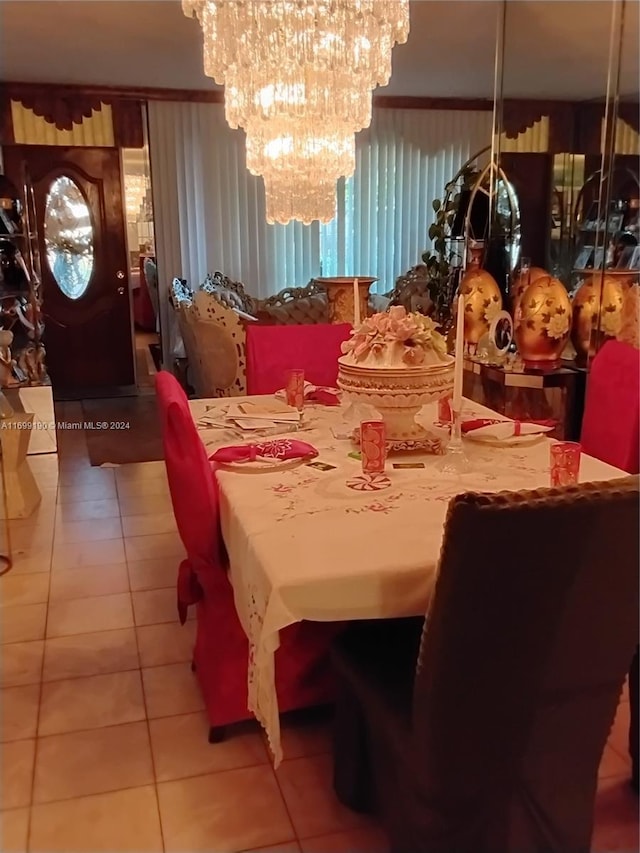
x=183, y=344
x=611, y=424
x=191, y=481
x=272, y=350
x=220, y=340
x=523, y=656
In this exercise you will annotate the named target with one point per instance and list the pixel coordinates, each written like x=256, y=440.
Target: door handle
x=120, y=275
x=120, y=291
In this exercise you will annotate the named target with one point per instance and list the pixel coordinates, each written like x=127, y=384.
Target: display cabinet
x=22, y=355
x=607, y=237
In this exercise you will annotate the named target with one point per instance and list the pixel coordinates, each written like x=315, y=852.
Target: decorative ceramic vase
x=521, y=282
x=340, y=297
x=630, y=318
x=398, y=394
x=598, y=295
x=543, y=323
x=482, y=300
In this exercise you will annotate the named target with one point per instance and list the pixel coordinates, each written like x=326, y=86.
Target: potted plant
x=438, y=260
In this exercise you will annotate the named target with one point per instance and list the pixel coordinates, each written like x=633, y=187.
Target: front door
x=83, y=260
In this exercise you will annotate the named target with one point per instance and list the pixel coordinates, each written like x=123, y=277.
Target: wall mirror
x=569, y=145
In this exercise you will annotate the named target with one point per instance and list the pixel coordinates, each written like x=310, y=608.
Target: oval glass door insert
x=68, y=237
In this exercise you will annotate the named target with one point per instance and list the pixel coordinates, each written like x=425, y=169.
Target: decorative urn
x=598, y=295
x=521, y=282
x=397, y=362
x=341, y=297
x=543, y=323
x=630, y=318
x=482, y=300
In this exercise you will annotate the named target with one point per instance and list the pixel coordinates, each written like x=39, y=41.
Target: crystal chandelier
x=135, y=190
x=298, y=77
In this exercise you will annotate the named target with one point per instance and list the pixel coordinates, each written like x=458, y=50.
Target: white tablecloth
x=303, y=545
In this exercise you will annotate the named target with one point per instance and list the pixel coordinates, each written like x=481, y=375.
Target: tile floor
x=103, y=731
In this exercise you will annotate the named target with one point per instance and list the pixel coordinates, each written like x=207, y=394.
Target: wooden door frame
x=62, y=152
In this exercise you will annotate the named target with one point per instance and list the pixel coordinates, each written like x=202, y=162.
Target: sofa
x=291, y=306
x=212, y=321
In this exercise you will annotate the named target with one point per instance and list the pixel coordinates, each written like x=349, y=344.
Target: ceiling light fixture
x=298, y=78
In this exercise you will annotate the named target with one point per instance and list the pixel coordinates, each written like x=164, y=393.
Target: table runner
x=303, y=545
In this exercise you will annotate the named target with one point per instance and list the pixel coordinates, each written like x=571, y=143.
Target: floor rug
x=122, y=430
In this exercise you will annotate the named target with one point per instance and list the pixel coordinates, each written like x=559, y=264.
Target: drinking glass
x=564, y=463
x=444, y=409
x=373, y=447
x=294, y=388
x=455, y=460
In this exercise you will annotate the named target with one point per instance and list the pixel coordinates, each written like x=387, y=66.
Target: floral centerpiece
x=397, y=337
x=396, y=362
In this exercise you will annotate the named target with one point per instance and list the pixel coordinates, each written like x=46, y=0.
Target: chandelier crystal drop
x=298, y=78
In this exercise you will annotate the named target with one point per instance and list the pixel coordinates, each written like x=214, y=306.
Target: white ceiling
x=554, y=48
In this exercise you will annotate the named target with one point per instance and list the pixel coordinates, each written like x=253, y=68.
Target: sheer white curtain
x=214, y=209
x=403, y=162
x=210, y=212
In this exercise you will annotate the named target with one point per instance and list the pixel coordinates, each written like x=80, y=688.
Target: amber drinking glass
x=564, y=463
x=373, y=447
x=294, y=388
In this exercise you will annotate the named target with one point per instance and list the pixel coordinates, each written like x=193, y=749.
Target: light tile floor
x=103, y=730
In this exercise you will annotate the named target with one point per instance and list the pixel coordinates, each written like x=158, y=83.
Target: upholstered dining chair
x=220, y=658
x=611, y=423
x=485, y=733
x=272, y=350
x=611, y=432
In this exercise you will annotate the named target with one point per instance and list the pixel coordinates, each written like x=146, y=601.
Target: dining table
x=315, y=540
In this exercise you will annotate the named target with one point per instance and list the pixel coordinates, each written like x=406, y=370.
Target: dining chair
x=221, y=654
x=484, y=732
x=611, y=433
x=272, y=350
x=193, y=492
x=611, y=423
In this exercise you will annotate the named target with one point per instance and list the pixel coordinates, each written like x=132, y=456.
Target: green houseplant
x=438, y=259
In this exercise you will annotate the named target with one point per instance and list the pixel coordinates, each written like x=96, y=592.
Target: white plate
x=512, y=441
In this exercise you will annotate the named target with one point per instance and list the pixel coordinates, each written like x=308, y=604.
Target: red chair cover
x=193, y=491
x=221, y=654
x=611, y=425
x=272, y=350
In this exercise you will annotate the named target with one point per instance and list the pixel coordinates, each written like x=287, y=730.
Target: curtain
x=403, y=162
x=209, y=212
